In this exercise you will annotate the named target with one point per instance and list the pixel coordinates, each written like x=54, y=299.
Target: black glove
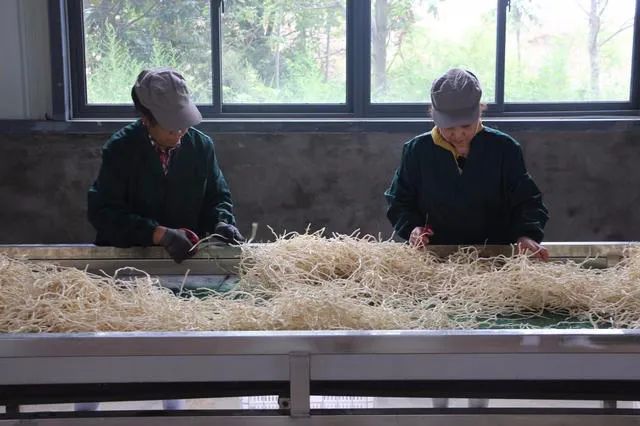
x=177, y=244
x=228, y=233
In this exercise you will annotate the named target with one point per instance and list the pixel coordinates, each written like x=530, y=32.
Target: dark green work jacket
x=492, y=200
x=132, y=195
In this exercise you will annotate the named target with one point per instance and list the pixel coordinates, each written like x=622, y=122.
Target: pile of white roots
x=311, y=282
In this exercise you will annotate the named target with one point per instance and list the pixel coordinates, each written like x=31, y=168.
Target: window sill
x=329, y=125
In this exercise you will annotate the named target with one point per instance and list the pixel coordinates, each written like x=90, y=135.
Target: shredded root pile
x=309, y=282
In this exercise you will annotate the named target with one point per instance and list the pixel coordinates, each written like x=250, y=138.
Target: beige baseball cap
x=164, y=92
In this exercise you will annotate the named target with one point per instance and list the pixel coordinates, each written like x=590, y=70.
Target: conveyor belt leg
x=12, y=409
x=300, y=382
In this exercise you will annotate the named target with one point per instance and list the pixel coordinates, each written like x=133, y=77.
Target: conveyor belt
x=223, y=260
x=488, y=364
x=548, y=364
x=214, y=268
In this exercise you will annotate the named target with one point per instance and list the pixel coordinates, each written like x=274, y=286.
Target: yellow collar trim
x=442, y=143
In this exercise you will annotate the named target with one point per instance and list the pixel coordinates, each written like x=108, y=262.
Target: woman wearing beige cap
x=462, y=182
x=159, y=182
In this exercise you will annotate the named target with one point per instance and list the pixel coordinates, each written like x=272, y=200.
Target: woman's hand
x=419, y=237
x=528, y=246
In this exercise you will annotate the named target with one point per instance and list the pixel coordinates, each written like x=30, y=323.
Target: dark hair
x=141, y=109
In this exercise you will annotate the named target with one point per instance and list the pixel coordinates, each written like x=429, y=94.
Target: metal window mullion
x=635, y=61
x=358, y=56
x=77, y=72
x=501, y=39
x=216, y=55
x=59, y=47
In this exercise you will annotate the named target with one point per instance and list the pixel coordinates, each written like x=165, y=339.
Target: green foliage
x=548, y=80
x=282, y=51
x=124, y=37
x=410, y=76
x=275, y=51
x=556, y=66
x=112, y=70
x=115, y=68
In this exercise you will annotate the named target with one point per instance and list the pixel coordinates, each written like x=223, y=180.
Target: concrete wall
x=334, y=180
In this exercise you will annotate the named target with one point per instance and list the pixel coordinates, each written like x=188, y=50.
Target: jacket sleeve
x=218, y=204
x=403, y=211
x=528, y=213
x=108, y=210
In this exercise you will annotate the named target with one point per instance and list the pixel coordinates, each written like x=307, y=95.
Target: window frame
x=70, y=95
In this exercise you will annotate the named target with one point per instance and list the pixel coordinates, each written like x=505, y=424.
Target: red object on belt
x=192, y=236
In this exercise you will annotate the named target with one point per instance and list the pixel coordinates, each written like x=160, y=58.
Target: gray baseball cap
x=164, y=92
x=455, y=98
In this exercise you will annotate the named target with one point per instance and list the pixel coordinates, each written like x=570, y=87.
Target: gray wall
x=334, y=180
x=25, y=68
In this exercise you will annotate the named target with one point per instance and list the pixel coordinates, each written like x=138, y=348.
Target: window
x=123, y=37
x=569, y=51
x=355, y=58
x=283, y=51
x=413, y=42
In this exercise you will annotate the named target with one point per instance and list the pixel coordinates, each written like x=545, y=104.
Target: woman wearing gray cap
x=462, y=182
x=159, y=182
